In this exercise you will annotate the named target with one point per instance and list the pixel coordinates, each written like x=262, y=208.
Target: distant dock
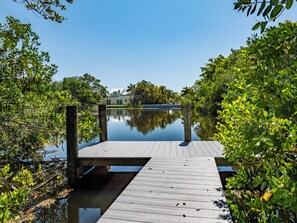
x=162, y=106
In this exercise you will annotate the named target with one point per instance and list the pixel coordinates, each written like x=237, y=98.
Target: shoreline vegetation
x=154, y=106
x=33, y=108
x=251, y=94
x=32, y=116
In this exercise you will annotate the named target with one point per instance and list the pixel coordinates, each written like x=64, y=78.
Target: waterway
x=97, y=191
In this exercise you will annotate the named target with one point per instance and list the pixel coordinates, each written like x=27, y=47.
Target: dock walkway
x=139, y=152
x=178, y=183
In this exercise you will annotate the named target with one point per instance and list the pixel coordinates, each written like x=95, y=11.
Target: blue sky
x=120, y=42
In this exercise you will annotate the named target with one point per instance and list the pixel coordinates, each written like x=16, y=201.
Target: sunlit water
x=96, y=193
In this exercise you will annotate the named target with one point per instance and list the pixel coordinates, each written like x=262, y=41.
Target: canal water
x=97, y=191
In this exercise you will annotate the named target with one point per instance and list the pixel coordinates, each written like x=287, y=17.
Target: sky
x=120, y=42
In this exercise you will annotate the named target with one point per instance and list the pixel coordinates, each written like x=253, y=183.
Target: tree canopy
x=33, y=115
x=254, y=92
x=258, y=124
x=86, y=89
x=144, y=92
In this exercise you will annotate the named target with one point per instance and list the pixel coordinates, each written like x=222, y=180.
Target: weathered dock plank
x=171, y=189
x=148, y=149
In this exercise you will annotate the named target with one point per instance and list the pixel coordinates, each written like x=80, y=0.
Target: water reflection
x=144, y=121
x=206, y=127
x=98, y=191
x=145, y=125
x=86, y=204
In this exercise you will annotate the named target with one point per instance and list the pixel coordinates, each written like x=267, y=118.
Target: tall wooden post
x=102, y=123
x=187, y=122
x=72, y=144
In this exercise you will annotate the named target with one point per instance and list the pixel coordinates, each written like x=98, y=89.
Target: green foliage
x=88, y=127
x=33, y=114
x=269, y=10
x=48, y=9
x=258, y=127
x=14, y=192
x=145, y=92
x=207, y=93
x=253, y=91
x=86, y=89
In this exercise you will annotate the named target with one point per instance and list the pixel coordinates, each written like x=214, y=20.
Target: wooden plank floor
x=180, y=189
x=148, y=149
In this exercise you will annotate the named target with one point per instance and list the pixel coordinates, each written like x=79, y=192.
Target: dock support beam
x=187, y=123
x=102, y=123
x=72, y=144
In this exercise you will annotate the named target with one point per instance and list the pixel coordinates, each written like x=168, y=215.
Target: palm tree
x=131, y=89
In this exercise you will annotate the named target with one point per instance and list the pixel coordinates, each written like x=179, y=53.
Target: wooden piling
x=72, y=144
x=102, y=123
x=187, y=123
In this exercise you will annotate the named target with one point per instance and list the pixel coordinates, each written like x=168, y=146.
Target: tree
x=86, y=89
x=253, y=94
x=208, y=92
x=32, y=116
x=131, y=89
x=48, y=9
x=270, y=10
x=258, y=127
x=147, y=93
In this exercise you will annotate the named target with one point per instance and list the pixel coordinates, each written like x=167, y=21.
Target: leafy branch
x=270, y=10
x=48, y=9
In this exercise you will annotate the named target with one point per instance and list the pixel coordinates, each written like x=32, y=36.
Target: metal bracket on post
x=102, y=123
x=72, y=144
x=187, y=122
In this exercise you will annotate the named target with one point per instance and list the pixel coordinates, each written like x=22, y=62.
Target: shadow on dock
x=184, y=144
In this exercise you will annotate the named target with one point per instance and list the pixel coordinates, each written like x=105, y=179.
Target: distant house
x=117, y=97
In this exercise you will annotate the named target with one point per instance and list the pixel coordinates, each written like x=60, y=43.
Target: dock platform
x=179, y=181
x=172, y=190
x=139, y=152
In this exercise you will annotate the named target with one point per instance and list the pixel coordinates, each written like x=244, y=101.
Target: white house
x=117, y=97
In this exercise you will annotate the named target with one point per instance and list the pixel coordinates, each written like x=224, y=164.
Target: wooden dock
x=139, y=152
x=178, y=183
x=172, y=190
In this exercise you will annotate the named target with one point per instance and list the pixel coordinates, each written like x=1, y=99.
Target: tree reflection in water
x=206, y=127
x=145, y=121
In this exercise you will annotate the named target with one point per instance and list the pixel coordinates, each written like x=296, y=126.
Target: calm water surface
x=97, y=191
x=146, y=125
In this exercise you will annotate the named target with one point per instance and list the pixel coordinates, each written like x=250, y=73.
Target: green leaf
x=273, y=2
x=249, y=10
x=289, y=4
x=237, y=5
x=277, y=182
x=267, y=10
x=256, y=26
x=263, y=26
x=269, y=142
x=254, y=9
x=277, y=9
x=261, y=7
x=246, y=2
